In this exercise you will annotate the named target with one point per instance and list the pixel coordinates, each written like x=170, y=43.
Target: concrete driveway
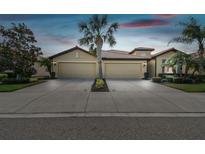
x=74, y=96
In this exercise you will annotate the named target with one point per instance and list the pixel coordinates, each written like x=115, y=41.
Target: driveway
x=74, y=96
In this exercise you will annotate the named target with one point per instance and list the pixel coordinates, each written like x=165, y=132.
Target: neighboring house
x=79, y=63
x=40, y=70
x=155, y=63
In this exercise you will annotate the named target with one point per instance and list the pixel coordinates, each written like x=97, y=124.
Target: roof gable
x=166, y=51
x=70, y=50
x=142, y=49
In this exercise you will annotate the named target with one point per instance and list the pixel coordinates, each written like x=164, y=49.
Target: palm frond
x=103, y=21
x=97, y=28
x=84, y=41
x=83, y=27
x=181, y=40
x=111, y=40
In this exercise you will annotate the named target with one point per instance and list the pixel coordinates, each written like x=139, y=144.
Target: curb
x=56, y=115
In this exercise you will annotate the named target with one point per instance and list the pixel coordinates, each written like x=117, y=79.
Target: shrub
x=161, y=75
x=53, y=75
x=14, y=81
x=200, y=78
x=178, y=80
x=3, y=76
x=41, y=77
x=188, y=80
x=30, y=71
x=169, y=79
x=146, y=75
x=99, y=83
x=33, y=79
x=164, y=80
x=156, y=79
x=11, y=74
x=164, y=75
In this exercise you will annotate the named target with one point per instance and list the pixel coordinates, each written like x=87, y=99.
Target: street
x=103, y=128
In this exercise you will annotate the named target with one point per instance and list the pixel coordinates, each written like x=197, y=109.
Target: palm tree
x=46, y=62
x=179, y=60
x=96, y=32
x=192, y=32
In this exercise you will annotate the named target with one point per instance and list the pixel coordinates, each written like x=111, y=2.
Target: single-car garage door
x=76, y=70
x=123, y=70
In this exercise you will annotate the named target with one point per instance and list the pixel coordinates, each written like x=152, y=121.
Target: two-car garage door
x=88, y=70
x=123, y=70
x=77, y=70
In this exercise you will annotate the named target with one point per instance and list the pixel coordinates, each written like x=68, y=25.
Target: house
x=79, y=63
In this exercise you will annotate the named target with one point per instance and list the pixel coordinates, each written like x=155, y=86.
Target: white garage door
x=123, y=70
x=77, y=70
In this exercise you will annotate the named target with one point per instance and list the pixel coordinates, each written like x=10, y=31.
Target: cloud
x=145, y=23
x=166, y=15
x=55, y=39
x=20, y=17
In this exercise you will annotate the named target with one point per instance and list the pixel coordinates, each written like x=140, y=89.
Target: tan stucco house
x=79, y=63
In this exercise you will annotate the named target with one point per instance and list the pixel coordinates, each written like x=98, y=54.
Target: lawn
x=13, y=87
x=200, y=87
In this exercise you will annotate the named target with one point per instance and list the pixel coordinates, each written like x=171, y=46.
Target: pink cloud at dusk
x=145, y=23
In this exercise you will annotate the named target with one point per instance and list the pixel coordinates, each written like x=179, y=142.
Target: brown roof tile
x=165, y=51
x=116, y=54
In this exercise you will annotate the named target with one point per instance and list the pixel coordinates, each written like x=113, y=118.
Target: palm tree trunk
x=201, y=55
x=201, y=69
x=99, y=43
x=100, y=69
x=193, y=72
x=186, y=70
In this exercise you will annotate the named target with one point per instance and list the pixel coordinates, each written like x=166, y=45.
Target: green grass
x=199, y=87
x=14, y=87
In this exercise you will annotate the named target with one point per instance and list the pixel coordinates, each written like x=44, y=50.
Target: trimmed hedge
x=3, y=76
x=188, y=80
x=11, y=74
x=178, y=80
x=156, y=79
x=169, y=79
x=14, y=81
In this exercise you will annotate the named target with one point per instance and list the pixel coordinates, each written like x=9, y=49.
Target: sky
x=56, y=33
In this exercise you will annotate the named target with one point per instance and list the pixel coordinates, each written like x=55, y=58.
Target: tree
x=96, y=32
x=18, y=49
x=197, y=63
x=46, y=62
x=192, y=32
x=179, y=60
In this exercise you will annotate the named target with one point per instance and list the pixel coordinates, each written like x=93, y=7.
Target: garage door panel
x=123, y=70
x=79, y=70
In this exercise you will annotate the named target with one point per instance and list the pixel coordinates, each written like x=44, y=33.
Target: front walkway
x=125, y=96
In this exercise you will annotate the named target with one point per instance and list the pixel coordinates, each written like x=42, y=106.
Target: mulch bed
x=103, y=89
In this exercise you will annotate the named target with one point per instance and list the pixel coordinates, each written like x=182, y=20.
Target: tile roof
x=142, y=49
x=69, y=50
x=117, y=54
x=165, y=51
x=196, y=54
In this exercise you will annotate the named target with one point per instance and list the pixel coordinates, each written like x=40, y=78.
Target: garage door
x=77, y=70
x=123, y=70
